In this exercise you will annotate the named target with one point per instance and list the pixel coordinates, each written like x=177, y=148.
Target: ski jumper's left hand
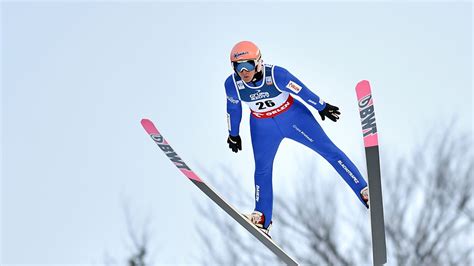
x=331, y=112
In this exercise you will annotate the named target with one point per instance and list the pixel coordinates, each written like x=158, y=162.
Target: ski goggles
x=240, y=66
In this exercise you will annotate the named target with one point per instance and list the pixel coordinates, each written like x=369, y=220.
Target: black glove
x=332, y=112
x=235, y=143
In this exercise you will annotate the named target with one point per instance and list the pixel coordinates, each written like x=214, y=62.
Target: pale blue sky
x=78, y=77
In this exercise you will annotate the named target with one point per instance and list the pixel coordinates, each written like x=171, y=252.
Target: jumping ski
x=229, y=209
x=369, y=130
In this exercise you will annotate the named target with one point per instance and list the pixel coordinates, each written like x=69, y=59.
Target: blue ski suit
x=276, y=115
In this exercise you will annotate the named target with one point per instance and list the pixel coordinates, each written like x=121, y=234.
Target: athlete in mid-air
x=275, y=115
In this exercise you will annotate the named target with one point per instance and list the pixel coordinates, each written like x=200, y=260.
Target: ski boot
x=258, y=219
x=364, y=194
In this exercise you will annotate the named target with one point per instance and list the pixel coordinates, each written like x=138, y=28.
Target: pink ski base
x=371, y=140
x=149, y=126
x=362, y=90
x=191, y=175
x=151, y=130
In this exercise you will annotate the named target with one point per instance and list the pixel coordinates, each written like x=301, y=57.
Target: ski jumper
x=276, y=115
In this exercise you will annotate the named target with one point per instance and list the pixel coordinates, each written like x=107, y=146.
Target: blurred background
x=82, y=183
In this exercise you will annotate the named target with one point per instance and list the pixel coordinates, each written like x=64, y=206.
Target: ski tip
x=145, y=121
x=363, y=83
x=149, y=126
x=363, y=89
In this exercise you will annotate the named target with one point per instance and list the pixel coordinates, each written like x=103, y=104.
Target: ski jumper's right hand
x=235, y=143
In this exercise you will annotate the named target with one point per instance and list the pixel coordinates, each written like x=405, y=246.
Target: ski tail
x=370, y=135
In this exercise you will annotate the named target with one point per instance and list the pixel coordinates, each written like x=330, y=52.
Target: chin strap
x=258, y=76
